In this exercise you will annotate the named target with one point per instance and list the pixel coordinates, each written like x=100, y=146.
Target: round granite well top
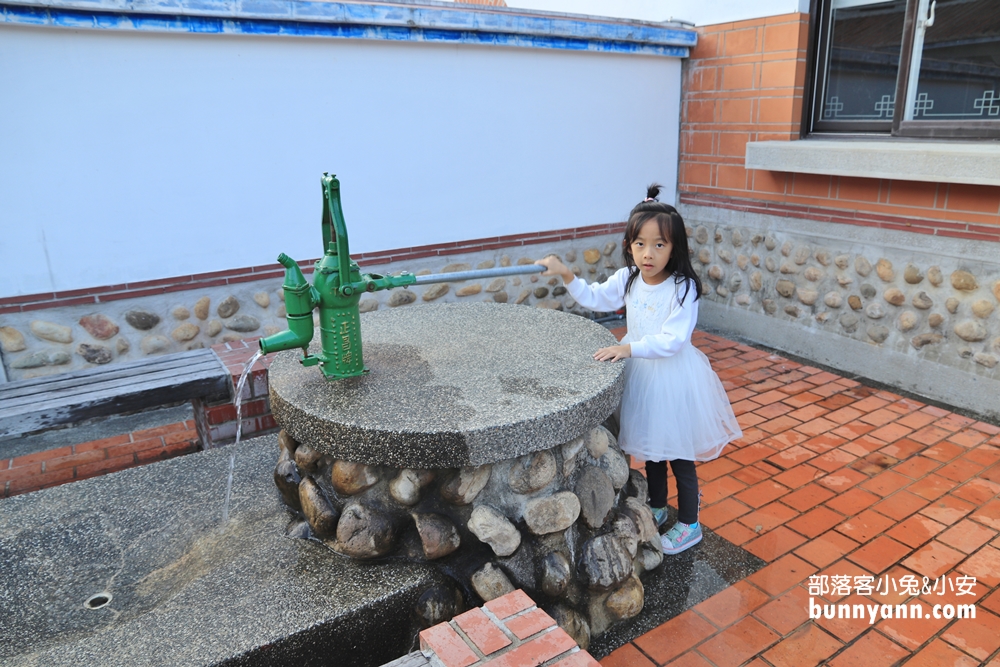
x=453, y=385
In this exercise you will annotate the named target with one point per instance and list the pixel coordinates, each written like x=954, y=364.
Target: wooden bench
x=38, y=404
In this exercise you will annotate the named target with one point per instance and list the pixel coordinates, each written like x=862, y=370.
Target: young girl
x=674, y=407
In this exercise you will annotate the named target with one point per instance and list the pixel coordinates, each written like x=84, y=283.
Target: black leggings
x=687, y=487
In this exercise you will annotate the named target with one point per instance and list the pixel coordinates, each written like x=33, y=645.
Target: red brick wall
x=213, y=425
x=217, y=421
x=60, y=465
x=745, y=82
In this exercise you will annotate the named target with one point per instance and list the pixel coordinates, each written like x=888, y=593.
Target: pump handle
x=477, y=274
x=334, y=227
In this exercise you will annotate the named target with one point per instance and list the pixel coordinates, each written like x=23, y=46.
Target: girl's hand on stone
x=554, y=267
x=614, y=353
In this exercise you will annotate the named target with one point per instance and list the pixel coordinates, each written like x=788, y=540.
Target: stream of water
x=239, y=431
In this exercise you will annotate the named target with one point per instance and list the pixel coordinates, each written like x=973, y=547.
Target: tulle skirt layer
x=675, y=408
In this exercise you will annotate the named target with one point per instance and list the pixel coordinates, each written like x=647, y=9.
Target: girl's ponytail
x=671, y=227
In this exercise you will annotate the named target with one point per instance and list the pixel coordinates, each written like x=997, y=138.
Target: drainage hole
x=97, y=601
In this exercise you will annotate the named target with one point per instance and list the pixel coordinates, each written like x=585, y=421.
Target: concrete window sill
x=901, y=160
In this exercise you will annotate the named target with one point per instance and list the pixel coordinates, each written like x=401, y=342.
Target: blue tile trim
x=357, y=21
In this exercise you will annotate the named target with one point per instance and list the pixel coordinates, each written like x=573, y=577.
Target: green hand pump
x=338, y=284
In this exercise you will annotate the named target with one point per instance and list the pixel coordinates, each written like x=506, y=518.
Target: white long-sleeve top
x=658, y=325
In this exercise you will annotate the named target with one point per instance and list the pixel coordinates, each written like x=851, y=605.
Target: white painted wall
x=702, y=12
x=139, y=156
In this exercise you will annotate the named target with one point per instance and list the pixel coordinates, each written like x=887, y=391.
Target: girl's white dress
x=674, y=406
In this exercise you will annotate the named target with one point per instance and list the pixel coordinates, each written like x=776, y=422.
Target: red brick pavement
x=836, y=479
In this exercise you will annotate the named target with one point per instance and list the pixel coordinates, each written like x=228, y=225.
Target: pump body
x=336, y=291
x=337, y=288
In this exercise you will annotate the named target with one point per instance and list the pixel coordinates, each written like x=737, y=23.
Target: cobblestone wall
x=915, y=302
x=60, y=339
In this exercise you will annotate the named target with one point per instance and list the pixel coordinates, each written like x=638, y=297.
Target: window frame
x=818, y=53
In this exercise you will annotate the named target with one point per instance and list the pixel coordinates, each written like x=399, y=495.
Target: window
x=908, y=67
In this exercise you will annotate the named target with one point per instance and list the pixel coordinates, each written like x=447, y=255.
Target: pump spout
x=300, y=299
x=293, y=274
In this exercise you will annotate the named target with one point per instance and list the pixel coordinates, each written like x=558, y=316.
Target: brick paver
x=836, y=478
x=500, y=635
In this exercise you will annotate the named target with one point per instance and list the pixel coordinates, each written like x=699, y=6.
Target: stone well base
x=569, y=525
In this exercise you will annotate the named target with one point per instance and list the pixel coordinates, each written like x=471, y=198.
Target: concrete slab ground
x=184, y=585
